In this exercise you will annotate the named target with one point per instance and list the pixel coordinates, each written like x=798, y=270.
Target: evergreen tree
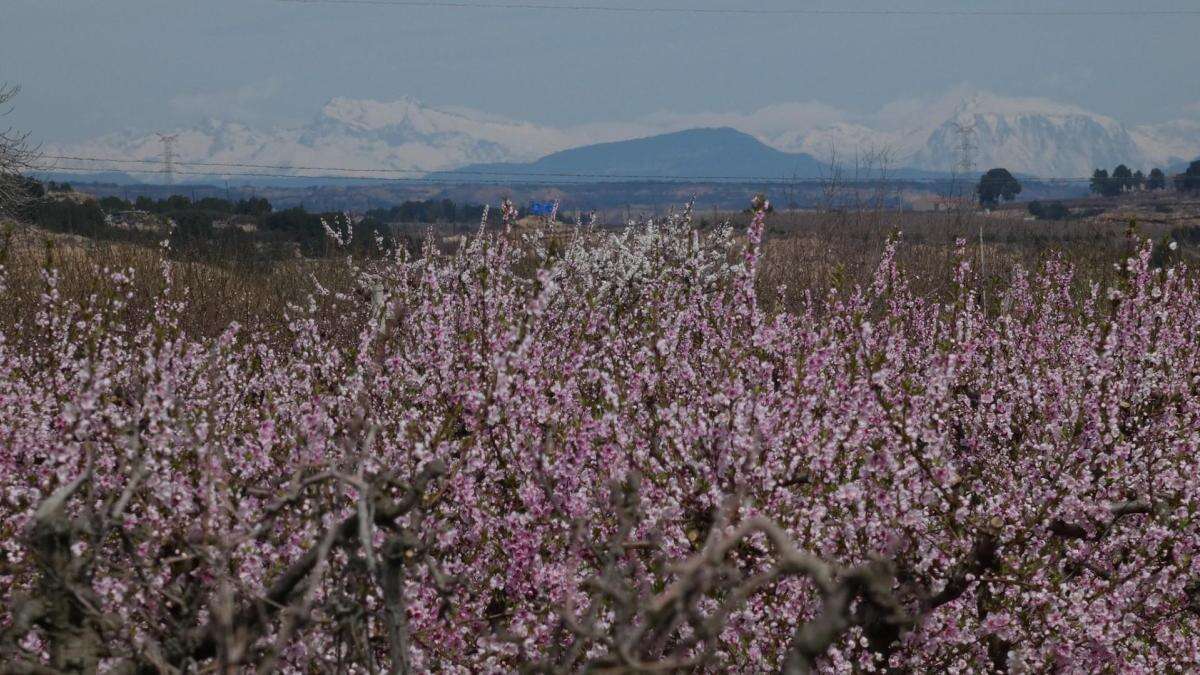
x=1123, y=178
x=1189, y=181
x=1157, y=180
x=1104, y=185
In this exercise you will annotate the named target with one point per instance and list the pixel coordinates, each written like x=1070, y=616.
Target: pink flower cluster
x=1062, y=429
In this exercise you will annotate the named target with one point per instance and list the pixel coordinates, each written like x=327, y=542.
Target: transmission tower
x=966, y=167
x=961, y=170
x=966, y=148
x=168, y=142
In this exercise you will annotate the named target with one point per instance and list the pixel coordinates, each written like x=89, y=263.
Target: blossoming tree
x=616, y=462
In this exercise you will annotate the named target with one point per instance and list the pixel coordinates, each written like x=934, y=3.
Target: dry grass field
x=813, y=251
x=805, y=252
x=217, y=294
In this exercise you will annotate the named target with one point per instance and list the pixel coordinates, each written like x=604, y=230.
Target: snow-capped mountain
x=1026, y=135
x=405, y=135
x=835, y=141
x=1029, y=135
x=1032, y=136
x=1171, y=144
x=417, y=136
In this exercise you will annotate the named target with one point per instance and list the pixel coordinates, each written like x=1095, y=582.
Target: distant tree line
x=224, y=227
x=1122, y=179
x=209, y=227
x=999, y=185
x=51, y=186
x=71, y=216
x=429, y=211
x=254, y=206
x=440, y=211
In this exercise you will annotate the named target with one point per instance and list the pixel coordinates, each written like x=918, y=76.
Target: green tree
x=299, y=226
x=1123, y=178
x=114, y=204
x=177, y=203
x=1104, y=185
x=1189, y=181
x=255, y=206
x=995, y=185
x=1157, y=180
x=66, y=215
x=1139, y=180
x=192, y=228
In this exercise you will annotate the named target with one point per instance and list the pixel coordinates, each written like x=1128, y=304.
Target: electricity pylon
x=168, y=141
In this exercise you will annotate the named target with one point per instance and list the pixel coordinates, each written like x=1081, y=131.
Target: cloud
x=244, y=103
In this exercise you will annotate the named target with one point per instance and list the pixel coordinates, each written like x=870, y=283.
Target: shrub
x=1050, y=211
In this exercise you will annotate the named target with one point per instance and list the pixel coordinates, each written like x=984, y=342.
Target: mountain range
x=406, y=138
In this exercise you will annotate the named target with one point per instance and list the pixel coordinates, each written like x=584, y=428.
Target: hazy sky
x=92, y=66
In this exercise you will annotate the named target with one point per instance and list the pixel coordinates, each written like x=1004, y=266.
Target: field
x=839, y=442
x=804, y=252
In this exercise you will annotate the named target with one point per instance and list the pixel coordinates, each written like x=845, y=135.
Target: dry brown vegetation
x=805, y=252
x=217, y=293
x=818, y=251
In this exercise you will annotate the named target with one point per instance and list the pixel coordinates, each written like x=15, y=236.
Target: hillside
x=716, y=154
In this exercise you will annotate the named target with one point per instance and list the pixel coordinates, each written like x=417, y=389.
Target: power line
x=500, y=178
x=505, y=176
x=257, y=174
x=423, y=176
x=759, y=12
x=497, y=178
x=293, y=167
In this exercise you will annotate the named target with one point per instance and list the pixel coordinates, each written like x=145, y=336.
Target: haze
x=92, y=66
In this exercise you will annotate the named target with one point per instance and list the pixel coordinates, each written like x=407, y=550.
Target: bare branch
x=17, y=156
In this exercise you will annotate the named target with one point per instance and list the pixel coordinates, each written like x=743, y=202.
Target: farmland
x=797, y=442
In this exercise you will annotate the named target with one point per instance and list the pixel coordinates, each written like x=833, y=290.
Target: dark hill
x=713, y=154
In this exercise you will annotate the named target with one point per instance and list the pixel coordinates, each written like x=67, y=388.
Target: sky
x=88, y=67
